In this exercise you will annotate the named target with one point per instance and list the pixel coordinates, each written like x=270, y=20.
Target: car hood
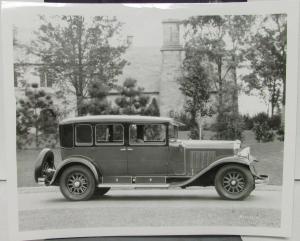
x=210, y=144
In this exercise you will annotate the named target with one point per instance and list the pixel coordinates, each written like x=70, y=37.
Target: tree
x=133, y=101
x=195, y=84
x=267, y=57
x=78, y=52
x=219, y=41
x=205, y=37
x=97, y=104
x=35, y=112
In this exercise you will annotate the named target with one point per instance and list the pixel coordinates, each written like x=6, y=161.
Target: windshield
x=173, y=132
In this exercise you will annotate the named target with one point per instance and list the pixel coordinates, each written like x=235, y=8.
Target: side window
x=148, y=134
x=66, y=135
x=109, y=134
x=173, y=132
x=84, y=135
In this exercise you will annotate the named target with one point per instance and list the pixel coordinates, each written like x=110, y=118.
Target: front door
x=147, y=150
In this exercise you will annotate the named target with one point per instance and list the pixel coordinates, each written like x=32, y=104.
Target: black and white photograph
x=154, y=120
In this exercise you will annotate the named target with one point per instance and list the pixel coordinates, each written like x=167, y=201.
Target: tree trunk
x=235, y=95
x=283, y=104
x=220, y=94
x=80, y=69
x=36, y=135
x=199, y=123
x=220, y=90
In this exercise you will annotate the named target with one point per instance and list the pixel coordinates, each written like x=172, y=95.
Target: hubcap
x=77, y=183
x=234, y=182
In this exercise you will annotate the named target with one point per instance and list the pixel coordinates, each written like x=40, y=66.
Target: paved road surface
x=45, y=208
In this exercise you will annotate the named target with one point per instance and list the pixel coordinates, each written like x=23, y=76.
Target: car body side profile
x=102, y=152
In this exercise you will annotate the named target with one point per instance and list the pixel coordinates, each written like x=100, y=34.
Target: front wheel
x=77, y=183
x=234, y=182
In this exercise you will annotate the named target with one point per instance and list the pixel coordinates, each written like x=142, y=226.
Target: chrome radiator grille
x=201, y=159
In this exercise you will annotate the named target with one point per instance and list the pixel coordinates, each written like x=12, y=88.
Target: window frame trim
x=79, y=144
x=165, y=143
x=109, y=143
x=60, y=137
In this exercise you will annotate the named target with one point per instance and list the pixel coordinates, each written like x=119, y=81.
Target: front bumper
x=261, y=179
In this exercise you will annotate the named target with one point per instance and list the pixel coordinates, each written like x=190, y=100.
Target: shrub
x=280, y=133
x=275, y=122
x=228, y=127
x=261, y=127
x=194, y=134
x=248, y=122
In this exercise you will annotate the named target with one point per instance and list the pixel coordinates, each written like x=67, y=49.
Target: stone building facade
x=171, y=99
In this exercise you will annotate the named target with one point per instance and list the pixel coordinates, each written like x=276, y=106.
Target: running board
x=134, y=185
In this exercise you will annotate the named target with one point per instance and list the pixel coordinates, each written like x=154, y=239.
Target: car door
x=110, y=151
x=147, y=151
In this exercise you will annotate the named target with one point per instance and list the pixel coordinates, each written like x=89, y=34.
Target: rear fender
x=220, y=162
x=73, y=161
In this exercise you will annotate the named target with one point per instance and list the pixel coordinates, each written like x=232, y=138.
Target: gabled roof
x=120, y=119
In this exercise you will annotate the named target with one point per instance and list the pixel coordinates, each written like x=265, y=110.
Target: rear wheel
x=77, y=183
x=234, y=182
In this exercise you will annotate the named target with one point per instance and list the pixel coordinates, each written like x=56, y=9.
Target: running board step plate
x=134, y=185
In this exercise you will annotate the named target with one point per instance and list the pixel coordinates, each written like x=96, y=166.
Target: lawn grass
x=270, y=156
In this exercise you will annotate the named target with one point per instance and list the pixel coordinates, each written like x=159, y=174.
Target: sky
x=145, y=25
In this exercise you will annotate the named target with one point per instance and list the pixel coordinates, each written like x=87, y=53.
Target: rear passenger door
x=147, y=151
x=110, y=150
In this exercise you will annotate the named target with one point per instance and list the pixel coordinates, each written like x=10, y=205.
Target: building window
x=16, y=78
x=46, y=79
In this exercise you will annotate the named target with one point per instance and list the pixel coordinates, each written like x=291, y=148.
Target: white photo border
x=291, y=8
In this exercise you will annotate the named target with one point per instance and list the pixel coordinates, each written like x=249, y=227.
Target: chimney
x=171, y=100
x=171, y=36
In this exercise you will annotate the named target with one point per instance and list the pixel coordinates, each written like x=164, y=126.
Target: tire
x=99, y=192
x=44, y=161
x=234, y=182
x=77, y=183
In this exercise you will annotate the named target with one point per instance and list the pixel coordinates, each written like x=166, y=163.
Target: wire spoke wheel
x=234, y=182
x=45, y=166
x=77, y=183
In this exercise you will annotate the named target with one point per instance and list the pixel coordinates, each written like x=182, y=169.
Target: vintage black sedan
x=107, y=151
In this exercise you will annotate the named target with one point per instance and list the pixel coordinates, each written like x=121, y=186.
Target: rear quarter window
x=66, y=135
x=84, y=135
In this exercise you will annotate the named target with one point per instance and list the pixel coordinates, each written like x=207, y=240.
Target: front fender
x=76, y=160
x=222, y=161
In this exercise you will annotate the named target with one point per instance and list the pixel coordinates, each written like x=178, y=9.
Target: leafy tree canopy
x=79, y=52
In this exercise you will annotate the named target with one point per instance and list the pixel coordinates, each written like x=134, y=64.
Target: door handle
x=129, y=149
x=123, y=149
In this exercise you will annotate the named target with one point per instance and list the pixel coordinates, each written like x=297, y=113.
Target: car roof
x=120, y=119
